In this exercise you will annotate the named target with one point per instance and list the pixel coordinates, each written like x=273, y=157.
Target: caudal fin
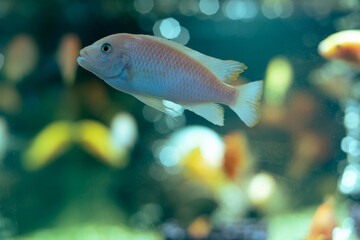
x=247, y=105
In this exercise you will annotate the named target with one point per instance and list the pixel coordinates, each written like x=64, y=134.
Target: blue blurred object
x=246, y=229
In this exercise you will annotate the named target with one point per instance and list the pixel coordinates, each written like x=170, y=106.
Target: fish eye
x=106, y=47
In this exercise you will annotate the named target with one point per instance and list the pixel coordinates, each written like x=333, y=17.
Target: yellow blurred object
x=344, y=45
x=199, y=152
x=198, y=168
x=279, y=76
x=324, y=222
x=66, y=56
x=95, y=137
x=199, y=228
x=48, y=144
x=21, y=57
x=237, y=156
x=10, y=99
x=208, y=141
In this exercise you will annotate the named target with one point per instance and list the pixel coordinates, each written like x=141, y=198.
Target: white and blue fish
x=154, y=69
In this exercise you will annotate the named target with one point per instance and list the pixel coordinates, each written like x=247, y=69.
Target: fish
x=344, y=46
x=156, y=70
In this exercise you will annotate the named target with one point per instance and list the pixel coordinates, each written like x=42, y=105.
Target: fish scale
x=180, y=72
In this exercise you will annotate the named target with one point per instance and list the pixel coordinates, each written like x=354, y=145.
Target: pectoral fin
x=170, y=108
x=210, y=111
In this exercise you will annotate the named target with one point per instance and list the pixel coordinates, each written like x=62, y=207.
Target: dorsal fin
x=223, y=70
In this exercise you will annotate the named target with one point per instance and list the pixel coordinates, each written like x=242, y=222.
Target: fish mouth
x=82, y=60
x=86, y=62
x=82, y=52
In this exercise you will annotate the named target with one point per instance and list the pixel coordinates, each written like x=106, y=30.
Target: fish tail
x=247, y=105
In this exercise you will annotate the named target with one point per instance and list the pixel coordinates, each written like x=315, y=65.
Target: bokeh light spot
x=170, y=28
x=169, y=156
x=183, y=37
x=240, y=9
x=123, y=130
x=261, y=188
x=151, y=114
x=350, y=180
x=209, y=7
x=344, y=232
x=143, y=6
x=188, y=7
x=352, y=119
x=277, y=8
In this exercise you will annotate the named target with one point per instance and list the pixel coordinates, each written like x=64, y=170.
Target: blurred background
x=80, y=160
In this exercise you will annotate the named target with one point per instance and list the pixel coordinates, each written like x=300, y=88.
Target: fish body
x=154, y=69
x=170, y=74
x=343, y=45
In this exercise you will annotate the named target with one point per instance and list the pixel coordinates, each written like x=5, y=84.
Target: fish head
x=106, y=58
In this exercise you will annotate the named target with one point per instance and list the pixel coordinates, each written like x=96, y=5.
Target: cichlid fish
x=343, y=45
x=164, y=74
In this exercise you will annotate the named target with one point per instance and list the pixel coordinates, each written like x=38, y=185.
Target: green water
x=81, y=160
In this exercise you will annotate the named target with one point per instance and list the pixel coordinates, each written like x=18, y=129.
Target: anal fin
x=210, y=111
